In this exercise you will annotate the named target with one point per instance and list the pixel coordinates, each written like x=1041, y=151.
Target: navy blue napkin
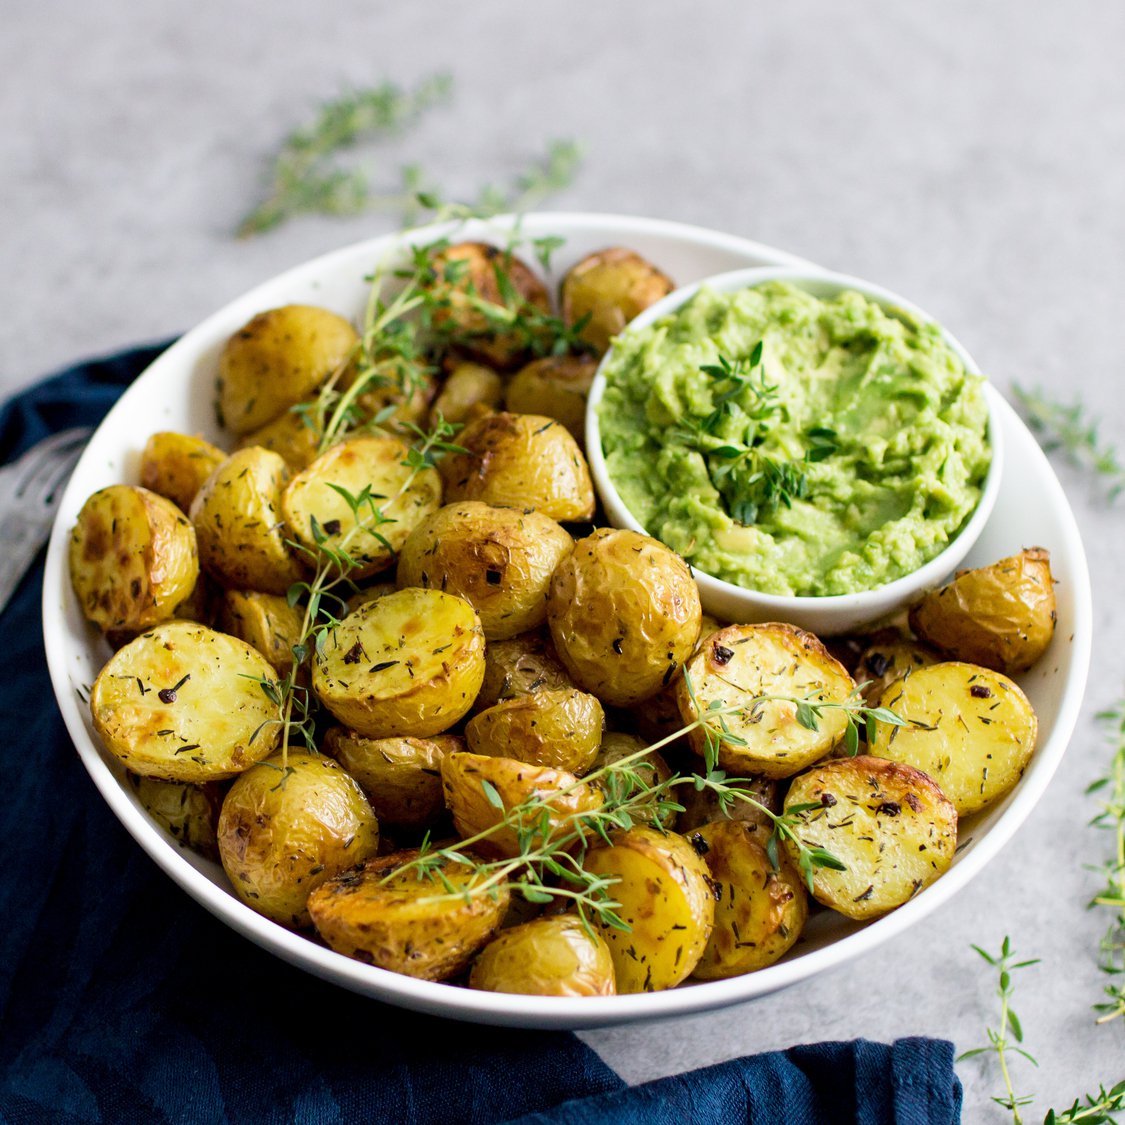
x=121, y=1000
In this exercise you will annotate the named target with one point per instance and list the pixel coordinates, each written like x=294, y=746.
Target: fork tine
x=47, y=484
x=30, y=464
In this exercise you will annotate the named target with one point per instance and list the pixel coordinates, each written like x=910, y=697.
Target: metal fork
x=30, y=490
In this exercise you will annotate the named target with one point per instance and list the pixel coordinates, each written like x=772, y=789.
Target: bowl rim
x=898, y=589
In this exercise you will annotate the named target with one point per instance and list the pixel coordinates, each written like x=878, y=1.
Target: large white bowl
x=176, y=393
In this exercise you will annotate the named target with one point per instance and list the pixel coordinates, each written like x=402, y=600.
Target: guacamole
x=795, y=445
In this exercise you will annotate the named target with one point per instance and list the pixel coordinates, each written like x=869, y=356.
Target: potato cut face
x=546, y=957
x=889, y=824
x=971, y=729
x=759, y=912
x=739, y=665
x=266, y=622
x=185, y=703
x=408, y=923
x=500, y=560
x=289, y=824
x=667, y=900
x=176, y=465
x=133, y=558
x=410, y=663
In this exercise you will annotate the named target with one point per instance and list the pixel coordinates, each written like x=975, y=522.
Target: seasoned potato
x=188, y=813
x=759, y=912
x=275, y=360
x=624, y=615
x=546, y=957
x=410, y=663
x=560, y=795
x=238, y=523
x=312, y=505
x=651, y=769
x=561, y=728
x=971, y=729
x=470, y=274
x=133, y=558
x=889, y=824
x=185, y=703
x=370, y=593
x=401, y=776
x=467, y=388
x=556, y=386
x=267, y=622
x=702, y=806
x=883, y=663
x=289, y=824
x=399, y=392
x=610, y=287
x=1002, y=616
x=740, y=666
x=176, y=465
x=519, y=666
x=520, y=461
x=500, y=560
x=666, y=900
x=293, y=435
x=405, y=922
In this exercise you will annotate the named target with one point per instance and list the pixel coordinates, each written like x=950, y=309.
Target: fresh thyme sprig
x=1111, y=818
x=1094, y=1109
x=1070, y=429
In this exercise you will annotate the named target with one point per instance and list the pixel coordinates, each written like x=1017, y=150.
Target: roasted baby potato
x=702, y=806
x=882, y=663
x=520, y=461
x=499, y=560
x=185, y=703
x=556, y=386
x=519, y=666
x=188, y=813
x=624, y=615
x=971, y=729
x=610, y=287
x=400, y=498
x=561, y=728
x=408, y=923
x=890, y=826
x=667, y=900
x=545, y=957
x=470, y=274
x=266, y=622
x=469, y=387
x=293, y=435
x=275, y=360
x=238, y=523
x=474, y=783
x=410, y=663
x=651, y=769
x=401, y=776
x=740, y=666
x=133, y=558
x=176, y=465
x=289, y=824
x=1002, y=616
x=759, y=911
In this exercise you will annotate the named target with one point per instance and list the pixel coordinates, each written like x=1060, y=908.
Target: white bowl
x=830, y=615
x=176, y=392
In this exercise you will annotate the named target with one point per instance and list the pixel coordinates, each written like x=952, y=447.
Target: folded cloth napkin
x=121, y=1000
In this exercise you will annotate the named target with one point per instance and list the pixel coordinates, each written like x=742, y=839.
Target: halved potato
x=748, y=667
x=556, y=386
x=667, y=901
x=425, y=926
x=133, y=558
x=467, y=388
x=410, y=663
x=289, y=824
x=884, y=662
x=546, y=957
x=519, y=666
x=971, y=729
x=176, y=465
x=500, y=560
x=890, y=825
x=266, y=621
x=185, y=703
x=188, y=813
x=293, y=435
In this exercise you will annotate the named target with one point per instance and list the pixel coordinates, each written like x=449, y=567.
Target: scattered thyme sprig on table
x=1069, y=428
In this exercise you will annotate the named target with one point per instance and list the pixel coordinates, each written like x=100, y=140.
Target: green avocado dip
x=795, y=445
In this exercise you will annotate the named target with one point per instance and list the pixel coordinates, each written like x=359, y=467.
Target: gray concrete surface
x=969, y=155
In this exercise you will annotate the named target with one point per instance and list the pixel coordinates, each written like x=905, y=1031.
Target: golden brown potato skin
x=545, y=957
x=469, y=387
x=519, y=666
x=500, y=560
x=292, y=435
x=275, y=360
x=133, y=558
x=883, y=663
x=556, y=386
x=701, y=807
x=1002, y=616
x=176, y=465
x=520, y=461
x=267, y=622
x=404, y=923
x=610, y=286
x=188, y=813
x=288, y=825
x=624, y=614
